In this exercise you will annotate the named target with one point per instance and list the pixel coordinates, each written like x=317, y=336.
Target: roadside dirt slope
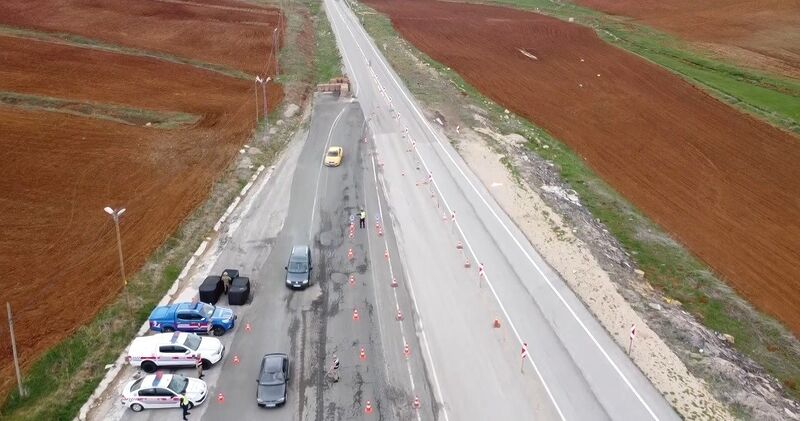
x=724, y=184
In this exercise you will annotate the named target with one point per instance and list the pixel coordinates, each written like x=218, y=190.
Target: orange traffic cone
x=355, y=315
x=368, y=408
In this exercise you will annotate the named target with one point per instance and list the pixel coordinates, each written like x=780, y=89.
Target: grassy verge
x=118, y=114
x=668, y=266
x=327, y=61
x=772, y=98
x=63, y=378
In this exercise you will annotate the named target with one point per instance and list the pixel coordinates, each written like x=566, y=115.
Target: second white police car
x=177, y=349
x=156, y=391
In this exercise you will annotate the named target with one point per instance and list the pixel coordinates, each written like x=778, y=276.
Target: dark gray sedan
x=273, y=379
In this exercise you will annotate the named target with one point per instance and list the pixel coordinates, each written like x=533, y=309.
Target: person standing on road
x=335, y=369
x=362, y=218
x=185, y=406
x=199, y=365
x=226, y=281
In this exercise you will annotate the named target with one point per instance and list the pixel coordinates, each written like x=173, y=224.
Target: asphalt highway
x=425, y=316
x=306, y=203
x=573, y=369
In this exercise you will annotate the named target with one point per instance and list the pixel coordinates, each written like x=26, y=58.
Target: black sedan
x=273, y=378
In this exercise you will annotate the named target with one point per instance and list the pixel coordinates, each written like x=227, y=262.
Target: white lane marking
x=507, y=230
x=377, y=299
x=319, y=174
x=397, y=302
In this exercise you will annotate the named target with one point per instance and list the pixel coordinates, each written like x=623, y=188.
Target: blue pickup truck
x=195, y=317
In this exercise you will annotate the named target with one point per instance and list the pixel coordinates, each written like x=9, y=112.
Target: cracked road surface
x=307, y=203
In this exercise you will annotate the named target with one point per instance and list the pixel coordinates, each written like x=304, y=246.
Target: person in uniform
x=362, y=218
x=199, y=365
x=226, y=281
x=185, y=406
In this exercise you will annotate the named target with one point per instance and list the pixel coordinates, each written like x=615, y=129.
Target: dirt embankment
x=58, y=248
x=760, y=33
x=725, y=184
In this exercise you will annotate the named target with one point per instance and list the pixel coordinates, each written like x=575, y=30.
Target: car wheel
x=218, y=331
x=206, y=364
x=149, y=366
x=137, y=407
x=167, y=329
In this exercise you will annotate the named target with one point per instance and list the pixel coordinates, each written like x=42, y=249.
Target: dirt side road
x=723, y=183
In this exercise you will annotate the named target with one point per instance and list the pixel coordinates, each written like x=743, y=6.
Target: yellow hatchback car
x=334, y=156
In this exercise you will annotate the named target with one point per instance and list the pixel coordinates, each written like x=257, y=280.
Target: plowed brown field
x=57, y=246
x=759, y=33
x=726, y=185
x=217, y=32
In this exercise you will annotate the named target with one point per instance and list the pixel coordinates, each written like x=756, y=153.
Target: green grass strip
x=117, y=114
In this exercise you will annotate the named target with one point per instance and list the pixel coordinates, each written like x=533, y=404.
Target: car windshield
x=207, y=310
x=178, y=384
x=137, y=384
x=271, y=378
x=192, y=341
x=333, y=153
x=298, y=267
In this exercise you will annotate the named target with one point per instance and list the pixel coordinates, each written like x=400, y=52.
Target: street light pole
x=255, y=91
x=263, y=83
x=115, y=215
x=275, y=49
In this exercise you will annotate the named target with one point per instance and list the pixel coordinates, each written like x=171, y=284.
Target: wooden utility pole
x=14, y=350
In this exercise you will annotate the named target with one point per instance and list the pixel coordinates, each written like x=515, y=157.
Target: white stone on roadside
x=148, y=124
x=515, y=139
x=241, y=150
x=290, y=111
x=639, y=273
x=108, y=366
x=728, y=338
x=655, y=306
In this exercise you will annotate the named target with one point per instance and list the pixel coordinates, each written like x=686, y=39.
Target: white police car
x=177, y=349
x=161, y=390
